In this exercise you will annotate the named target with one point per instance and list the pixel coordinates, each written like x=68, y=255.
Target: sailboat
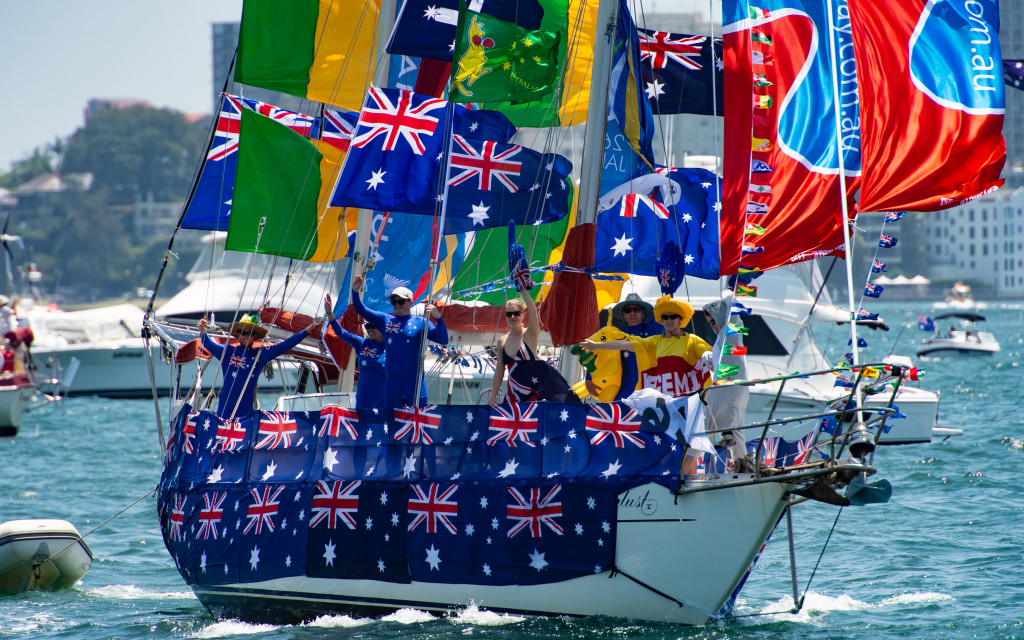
x=538, y=508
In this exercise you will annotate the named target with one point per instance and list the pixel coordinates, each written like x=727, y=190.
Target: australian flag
x=335, y=127
x=396, y=159
x=426, y=28
x=877, y=266
x=894, y=216
x=211, y=202
x=631, y=234
x=886, y=241
x=925, y=323
x=863, y=314
x=682, y=73
x=873, y=290
x=1013, y=73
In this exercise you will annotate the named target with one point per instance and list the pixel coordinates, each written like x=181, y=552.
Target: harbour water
x=943, y=559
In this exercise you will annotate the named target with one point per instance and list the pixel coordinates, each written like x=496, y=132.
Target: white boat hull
x=120, y=369
x=41, y=554
x=14, y=401
x=678, y=559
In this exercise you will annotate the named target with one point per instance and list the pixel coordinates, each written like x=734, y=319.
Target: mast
x=597, y=113
x=842, y=179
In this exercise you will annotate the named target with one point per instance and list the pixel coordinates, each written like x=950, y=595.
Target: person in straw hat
x=242, y=360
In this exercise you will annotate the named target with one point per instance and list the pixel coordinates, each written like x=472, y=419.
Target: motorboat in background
x=968, y=340
x=227, y=284
x=960, y=297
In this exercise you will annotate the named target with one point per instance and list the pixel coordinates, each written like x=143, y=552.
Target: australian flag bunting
x=873, y=290
x=877, y=266
x=682, y=73
x=211, y=202
x=494, y=495
x=886, y=241
x=631, y=234
x=426, y=28
x=396, y=158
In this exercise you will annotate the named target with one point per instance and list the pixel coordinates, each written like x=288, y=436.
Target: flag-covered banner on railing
x=493, y=495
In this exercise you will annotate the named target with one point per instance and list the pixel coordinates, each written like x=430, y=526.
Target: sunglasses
x=671, y=316
x=395, y=301
x=632, y=310
x=513, y=314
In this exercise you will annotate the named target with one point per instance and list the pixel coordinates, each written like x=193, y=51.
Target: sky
x=58, y=54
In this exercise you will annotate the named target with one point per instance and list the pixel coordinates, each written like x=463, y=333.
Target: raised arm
x=352, y=339
x=533, y=325
x=376, y=318
x=436, y=331
x=215, y=349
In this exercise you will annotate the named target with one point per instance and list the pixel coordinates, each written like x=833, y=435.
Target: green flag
x=497, y=60
x=727, y=370
x=277, y=185
x=487, y=260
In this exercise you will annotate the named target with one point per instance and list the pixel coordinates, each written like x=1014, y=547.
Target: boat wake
x=816, y=605
x=132, y=592
x=233, y=628
x=474, y=615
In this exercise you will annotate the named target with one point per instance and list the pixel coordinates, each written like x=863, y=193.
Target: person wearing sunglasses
x=401, y=332
x=529, y=378
x=242, y=360
x=675, y=363
x=637, y=319
x=370, y=354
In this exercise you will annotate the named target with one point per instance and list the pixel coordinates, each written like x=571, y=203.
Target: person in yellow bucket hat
x=671, y=363
x=242, y=361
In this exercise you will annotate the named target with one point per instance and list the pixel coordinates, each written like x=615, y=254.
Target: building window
x=972, y=249
x=970, y=215
x=984, y=249
x=971, y=234
x=984, y=215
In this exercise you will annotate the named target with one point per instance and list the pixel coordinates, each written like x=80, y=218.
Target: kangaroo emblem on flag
x=471, y=64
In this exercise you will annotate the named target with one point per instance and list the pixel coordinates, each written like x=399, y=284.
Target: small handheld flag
x=518, y=267
x=925, y=323
x=667, y=267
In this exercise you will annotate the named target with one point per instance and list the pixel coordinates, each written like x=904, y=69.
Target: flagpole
x=842, y=181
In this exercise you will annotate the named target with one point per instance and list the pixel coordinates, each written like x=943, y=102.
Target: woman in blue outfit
x=371, y=356
x=403, y=353
x=242, y=362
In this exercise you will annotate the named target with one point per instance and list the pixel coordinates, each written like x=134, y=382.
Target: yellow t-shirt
x=673, y=365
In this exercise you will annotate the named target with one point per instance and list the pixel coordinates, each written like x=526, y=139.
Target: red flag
x=931, y=99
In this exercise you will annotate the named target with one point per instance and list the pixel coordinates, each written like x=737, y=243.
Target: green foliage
x=136, y=151
x=42, y=160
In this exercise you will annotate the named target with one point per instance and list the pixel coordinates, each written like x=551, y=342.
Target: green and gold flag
x=282, y=189
x=727, y=370
x=496, y=60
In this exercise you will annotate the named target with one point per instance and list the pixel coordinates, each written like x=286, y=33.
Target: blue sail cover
x=498, y=495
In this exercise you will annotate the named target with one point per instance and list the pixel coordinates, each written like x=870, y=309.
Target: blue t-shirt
x=402, y=348
x=371, y=357
x=240, y=367
x=630, y=374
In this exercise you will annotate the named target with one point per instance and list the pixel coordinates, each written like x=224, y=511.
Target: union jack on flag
x=491, y=160
x=769, y=451
x=332, y=503
x=512, y=423
x=335, y=418
x=864, y=315
x=297, y=122
x=614, y=420
x=433, y=507
x=886, y=241
x=877, y=267
x=277, y=429
x=416, y=421
x=229, y=434
x=178, y=517
x=634, y=204
x=336, y=128
x=368, y=351
x=229, y=122
x=210, y=515
x=188, y=432
x=237, y=361
x=666, y=277
x=661, y=47
x=873, y=290
x=262, y=510
x=806, y=446
x=533, y=511
x=393, y=325
x=893, y=216
x=408, y=119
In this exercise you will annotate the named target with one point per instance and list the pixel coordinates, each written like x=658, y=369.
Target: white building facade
x=982, y=240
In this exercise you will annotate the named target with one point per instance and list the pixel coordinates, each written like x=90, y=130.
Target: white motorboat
x=960, y=298
x=17, y=385
x=967, y=341
x=41, y=554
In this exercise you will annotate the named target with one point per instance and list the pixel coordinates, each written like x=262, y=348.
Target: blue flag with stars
x=631, y=234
